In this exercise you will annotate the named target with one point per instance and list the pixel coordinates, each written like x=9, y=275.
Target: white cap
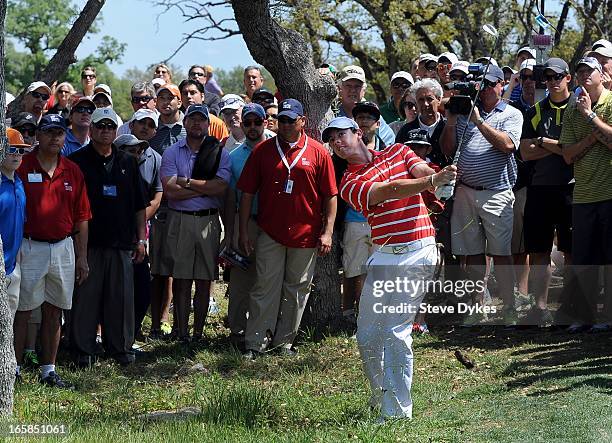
x=427, y=57
x=528, y=64
x=532, y=51
x=450, y=56
x=485, y=60
x=103, y=88
x=9, y=98
x=141, y=114
x=352, y=71
x=602, y=47
x=105, y=95
x=403, y=74
x=35, y=85
x=231, y=101
x=158, y=81
x=508, y=68
x=461, y=65
x=601, y=43
x=104, y=114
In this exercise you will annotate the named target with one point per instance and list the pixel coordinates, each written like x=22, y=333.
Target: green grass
x=526, y=386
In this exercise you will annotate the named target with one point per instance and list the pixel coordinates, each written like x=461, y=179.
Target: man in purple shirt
x=193, y=227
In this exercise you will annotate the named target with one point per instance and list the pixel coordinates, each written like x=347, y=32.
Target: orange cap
x=174, y=90
x=15, y=138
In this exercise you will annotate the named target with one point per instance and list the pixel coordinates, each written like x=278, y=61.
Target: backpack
x=207, y=159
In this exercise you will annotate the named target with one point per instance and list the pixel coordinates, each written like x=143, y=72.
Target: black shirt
x=524, y=168
x=116, y=193
x=436, y=155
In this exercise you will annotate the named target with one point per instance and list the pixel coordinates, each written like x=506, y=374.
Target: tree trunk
x=7, y=354
x=64, y=56
x=287, y=56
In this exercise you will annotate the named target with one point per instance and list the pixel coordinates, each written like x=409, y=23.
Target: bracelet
x=431, y=180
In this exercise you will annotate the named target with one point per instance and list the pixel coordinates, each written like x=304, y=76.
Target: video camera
x=467, y=90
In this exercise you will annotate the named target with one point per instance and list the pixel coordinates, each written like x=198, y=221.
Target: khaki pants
x=280, y=294
x=240, y=284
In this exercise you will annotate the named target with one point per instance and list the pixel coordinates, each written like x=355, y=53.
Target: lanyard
x=284, y=159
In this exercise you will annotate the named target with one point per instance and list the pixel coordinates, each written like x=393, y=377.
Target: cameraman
x=482, y=213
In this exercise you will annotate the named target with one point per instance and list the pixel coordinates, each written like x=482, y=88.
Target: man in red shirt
x=385, y=186
x=293, y=177
x=57, y=208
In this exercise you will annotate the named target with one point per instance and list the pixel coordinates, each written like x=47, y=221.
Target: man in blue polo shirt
x=482, y=216
x=12, y=213
x=242, y=280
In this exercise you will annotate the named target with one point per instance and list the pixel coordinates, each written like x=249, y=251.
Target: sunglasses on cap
x=24, y=130
x=38, y=95
x=230, y=101
x=142, y=99
x=249, y=123
x=84, y=109
x=102, y=125
x=17, y=150
x=554, y=77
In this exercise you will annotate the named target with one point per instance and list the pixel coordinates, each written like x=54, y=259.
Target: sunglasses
x=230, y=101
x=84, y=109
x=27, y=131
x=84, y=76
x=286, y=120
x=489, y=84
x=17, y=150
x=400, y=85
x=457, y=78
x=103, y=126
x=38, y=95
x=273, y=116
x=196, y=74
x=526, y=77
x=249, y=123
x=409, y=105
x=554, y=77
x=142, y=99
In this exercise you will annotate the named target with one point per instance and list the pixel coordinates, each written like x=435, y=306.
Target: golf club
x=445, y=192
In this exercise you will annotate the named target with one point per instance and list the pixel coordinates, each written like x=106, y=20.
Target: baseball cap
x=508, y=68
x=494, y=74
x=108, y=97
x=104, y=114
x=263, y=94
x=424, y=58
x=172, y=88
x=141, y=114
x=591, y=62
x=231, y=101
x=366, y=107
x=158, y=82
x=102, y=87
x=129, y=140
x=402, y=74
x=352, y=71
x=417, y=137
x=461, y=65
x=291, y=108
x=452, y=58
x=601, y=43
x=198, y=109
x=23, y=119
x=557, y=65
x=527, y=64
x=15, y=138
x=338, y=123
x=35, y=85
x=81, y=100
x=52, y=121
x=531, y=51
x=8, y=98
x=254, y=108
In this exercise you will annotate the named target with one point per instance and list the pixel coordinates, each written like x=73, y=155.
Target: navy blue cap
x=198, y=109
x=52, y=121
x=253, y=108
x=417, y=137
x=338, y=123
x=291, y=108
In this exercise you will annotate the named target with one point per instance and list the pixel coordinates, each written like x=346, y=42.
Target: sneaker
x=522, y=302
x=487, y=299
x=510, y=317
x=538, y=317
x=55, y=381
x=251, y=355
x=30, y=359
x=165, y=328
x=600, y=327
x=475, y=319
x=576, y=328
x=213, y=307
x=288, y=352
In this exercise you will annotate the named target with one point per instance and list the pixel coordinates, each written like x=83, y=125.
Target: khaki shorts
x=356, y=248
x=482, y=222
x=12, y=289
x=47, y=274
x=518, y=232
x=192, y=246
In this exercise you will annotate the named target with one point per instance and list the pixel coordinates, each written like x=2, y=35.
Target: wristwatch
x=480, y=121
x=188, y=183
x=591, y=117
x=540, y=141
x=142, y=242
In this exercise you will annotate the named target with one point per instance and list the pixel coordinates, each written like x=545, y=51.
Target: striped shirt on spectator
x=395, y=221
x=482, y=165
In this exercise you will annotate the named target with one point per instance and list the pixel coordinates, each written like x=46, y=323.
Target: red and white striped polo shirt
x=392, y=221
